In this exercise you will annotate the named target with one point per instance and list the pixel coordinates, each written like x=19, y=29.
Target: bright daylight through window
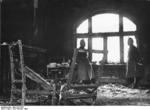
x=106, y=34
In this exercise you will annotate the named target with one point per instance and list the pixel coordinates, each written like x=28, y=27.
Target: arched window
x=106, y=37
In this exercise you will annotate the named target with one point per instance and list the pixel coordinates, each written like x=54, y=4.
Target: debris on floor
x=116, y=94
x=107, y=94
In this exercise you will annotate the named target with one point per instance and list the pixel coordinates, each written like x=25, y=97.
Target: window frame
x=105, y=36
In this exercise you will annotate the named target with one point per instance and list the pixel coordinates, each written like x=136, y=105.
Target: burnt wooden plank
x=40, y=92
x=79, y=96
x=37, y=78
x=82, y=86
x=35, y=49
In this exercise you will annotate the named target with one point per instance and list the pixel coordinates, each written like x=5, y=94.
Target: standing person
x=85, y=72
x=132, y=74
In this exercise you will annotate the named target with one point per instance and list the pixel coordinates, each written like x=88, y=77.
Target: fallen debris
x=116, y=94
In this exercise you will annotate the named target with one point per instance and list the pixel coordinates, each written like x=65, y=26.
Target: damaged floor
x=116, y=94
x=107, y=94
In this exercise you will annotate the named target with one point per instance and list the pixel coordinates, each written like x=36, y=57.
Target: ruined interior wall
x=56, y=19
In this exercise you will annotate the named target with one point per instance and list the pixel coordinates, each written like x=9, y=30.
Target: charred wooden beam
x=79, y=96
x=39, y=92
x=37, y=78
x=36, y=49
x=80, y=86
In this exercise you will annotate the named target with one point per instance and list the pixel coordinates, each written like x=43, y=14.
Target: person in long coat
x=85, y=72
x=132, y=75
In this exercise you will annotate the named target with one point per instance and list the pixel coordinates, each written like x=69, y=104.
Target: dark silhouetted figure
x=132, y=75
x=84, y=72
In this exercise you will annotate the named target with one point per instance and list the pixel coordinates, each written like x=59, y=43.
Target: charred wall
x=56, y=19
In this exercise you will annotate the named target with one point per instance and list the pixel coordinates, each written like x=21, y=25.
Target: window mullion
x=89, y=38
x=121, y=38
x=74, y=34
x=105, y=48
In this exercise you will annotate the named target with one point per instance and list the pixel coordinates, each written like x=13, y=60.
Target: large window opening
x=106, y=37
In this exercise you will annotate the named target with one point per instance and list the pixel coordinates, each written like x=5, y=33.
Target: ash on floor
x=116, y=94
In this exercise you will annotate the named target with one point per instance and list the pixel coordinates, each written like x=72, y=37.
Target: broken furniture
x=18, y=68
x=57, y=73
